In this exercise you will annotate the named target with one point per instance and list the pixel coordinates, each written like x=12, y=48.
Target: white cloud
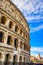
x=36, y=54
x=41, y=55
x=33, y=18
x=36, y=29
x=37, y=49
x=28, y=7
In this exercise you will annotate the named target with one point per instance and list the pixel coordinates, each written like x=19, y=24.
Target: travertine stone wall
x=14, y=34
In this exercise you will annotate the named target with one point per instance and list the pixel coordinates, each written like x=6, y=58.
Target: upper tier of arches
x=13, y=11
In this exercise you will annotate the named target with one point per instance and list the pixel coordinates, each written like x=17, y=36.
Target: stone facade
x=14, y=34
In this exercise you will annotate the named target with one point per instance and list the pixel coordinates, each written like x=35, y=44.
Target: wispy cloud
x=33, y=18
x=37, y=49
x=36, y=29
x=30, y=7
x=32, y=10
x=36, y=54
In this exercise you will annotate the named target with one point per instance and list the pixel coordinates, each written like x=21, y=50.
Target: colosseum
x=14, y=34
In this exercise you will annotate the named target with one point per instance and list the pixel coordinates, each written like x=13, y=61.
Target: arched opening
x=1, y=36
x=3, y=20
x=16, y=43
x=20, y=59
x=11, y=24
x=24, y=59
x=21, y=44
x=16, y=28
x=9, y=40
x=15, y=58
x=24, y=34
x=21, y=32
x=7, y=59
x=24, y=46
x=0, y=56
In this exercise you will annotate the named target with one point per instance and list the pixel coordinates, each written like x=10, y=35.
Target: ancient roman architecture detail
x=14, y=34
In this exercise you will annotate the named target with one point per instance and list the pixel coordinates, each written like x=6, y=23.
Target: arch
x=16, y=28
x=20, y=31
x=21, y=44
x=11, y=24
x=0, y=55
x=3, y=20
x=7, y=59
x=9, y=40
x=24, y=34
x=16, y=43
x=15, y=58
x=1, y=36
x=20, y=59
x=24, y=58
x=24, y=47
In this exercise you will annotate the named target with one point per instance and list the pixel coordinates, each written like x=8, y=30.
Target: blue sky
x=33, y=12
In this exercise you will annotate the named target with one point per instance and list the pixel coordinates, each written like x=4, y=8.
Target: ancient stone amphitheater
x=14, y=34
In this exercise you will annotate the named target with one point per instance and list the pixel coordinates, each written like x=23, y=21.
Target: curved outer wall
x=14, y=34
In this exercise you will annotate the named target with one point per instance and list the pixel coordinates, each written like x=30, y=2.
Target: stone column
x=19, y=31
x=13, y=41
x=22, y=59
x=23, y=46
x=18, y=45
x=22, y=34
x=10, y=60
x=5, y=37
x=14, y=27
x=7, y=23
x=2, y=59
x=18, y=59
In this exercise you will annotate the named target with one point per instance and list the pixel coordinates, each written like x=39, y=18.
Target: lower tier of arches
x=5, y=59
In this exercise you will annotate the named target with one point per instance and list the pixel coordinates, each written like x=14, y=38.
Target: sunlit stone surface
x=14, y=34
